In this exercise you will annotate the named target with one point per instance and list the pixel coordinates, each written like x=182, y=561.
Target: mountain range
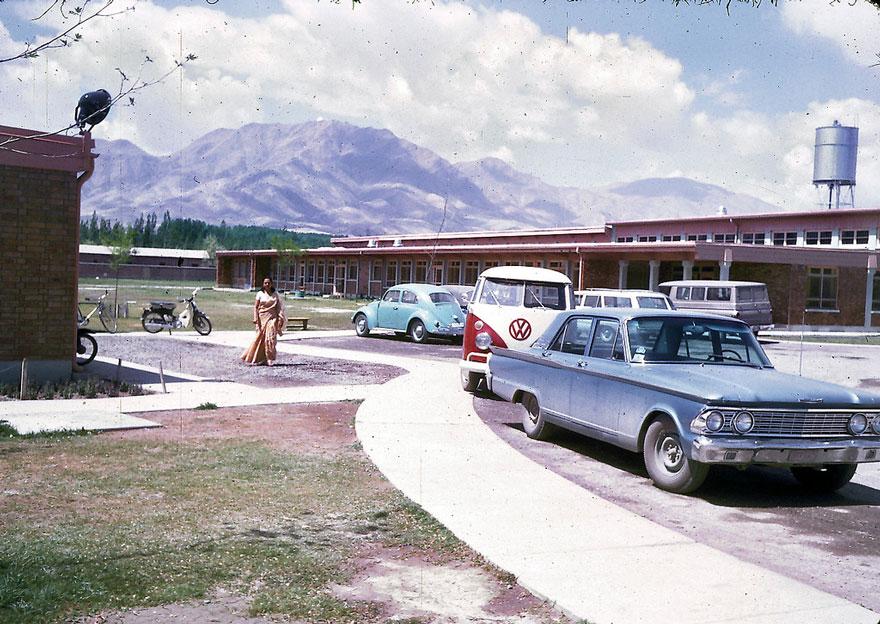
x=331, y=176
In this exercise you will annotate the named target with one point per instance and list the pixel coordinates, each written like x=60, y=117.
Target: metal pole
x=118, y=368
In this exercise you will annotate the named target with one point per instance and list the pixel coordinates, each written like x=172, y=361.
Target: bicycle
x=86, y=346
x=103, y=310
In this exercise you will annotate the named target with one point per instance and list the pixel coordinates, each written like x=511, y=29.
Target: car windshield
x=443, y=297
x=693, y=340
x=529, y=294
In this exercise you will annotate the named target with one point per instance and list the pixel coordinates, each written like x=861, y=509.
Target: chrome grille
x=795, y=423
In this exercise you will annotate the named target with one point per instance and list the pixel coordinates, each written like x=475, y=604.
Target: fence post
x=24, y=379
x=162, y=378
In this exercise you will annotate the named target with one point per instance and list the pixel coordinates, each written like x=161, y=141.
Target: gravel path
x=224, y=364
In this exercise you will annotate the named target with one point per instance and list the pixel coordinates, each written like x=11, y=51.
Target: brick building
x=820, y=266
x=40, y=182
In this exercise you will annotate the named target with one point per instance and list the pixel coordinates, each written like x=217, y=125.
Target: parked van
x=610, y=298
x=511, y=307
x=747, y=301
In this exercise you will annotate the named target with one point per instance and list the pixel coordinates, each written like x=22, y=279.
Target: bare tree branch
x=80, y=14
x=126, y=88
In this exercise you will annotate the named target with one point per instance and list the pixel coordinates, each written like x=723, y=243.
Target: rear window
x=751, y=294
x=442, y=297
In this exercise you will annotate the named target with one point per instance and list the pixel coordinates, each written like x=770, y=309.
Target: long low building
x=147, y=263
x=820, y=267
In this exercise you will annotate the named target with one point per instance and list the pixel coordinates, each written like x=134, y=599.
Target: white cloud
x=853, y=25
x=465, y=82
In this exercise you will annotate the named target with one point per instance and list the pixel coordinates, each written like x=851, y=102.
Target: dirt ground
x=224, y=363
x=406, y=585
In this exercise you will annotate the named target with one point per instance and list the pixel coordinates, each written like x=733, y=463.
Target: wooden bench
x=297, y=322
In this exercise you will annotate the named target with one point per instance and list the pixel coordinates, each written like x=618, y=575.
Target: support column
x=622, y=268
x=653, y=274
x=869, y=289
x=725, y=265
x=687, y=269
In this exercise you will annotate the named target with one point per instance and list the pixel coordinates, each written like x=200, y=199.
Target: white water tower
x=834, y=162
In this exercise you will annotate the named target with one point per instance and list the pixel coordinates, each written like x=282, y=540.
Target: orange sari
x=270, y=320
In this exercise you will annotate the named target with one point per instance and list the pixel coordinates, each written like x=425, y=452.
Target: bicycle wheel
x=107, y=320
x=86, y=348
x=202, y=324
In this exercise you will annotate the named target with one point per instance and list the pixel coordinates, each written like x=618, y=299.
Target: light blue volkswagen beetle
x=420, y=310
x=687, y=391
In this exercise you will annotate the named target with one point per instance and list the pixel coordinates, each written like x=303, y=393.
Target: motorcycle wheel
x=202, y=324
x=153, y=322
x=86, y=348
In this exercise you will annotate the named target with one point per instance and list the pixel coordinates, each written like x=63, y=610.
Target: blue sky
x=586, y=94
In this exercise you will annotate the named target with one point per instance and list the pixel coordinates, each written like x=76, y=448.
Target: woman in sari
x=270, y=320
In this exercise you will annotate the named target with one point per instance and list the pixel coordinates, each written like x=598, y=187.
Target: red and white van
x=511, y=307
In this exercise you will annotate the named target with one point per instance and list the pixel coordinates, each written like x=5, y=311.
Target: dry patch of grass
x=98, y=523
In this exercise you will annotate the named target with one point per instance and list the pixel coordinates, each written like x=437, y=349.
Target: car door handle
x=581, y=364
x=396, y=307
x=546, y=353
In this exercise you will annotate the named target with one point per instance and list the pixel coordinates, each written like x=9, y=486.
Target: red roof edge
x=34, y=149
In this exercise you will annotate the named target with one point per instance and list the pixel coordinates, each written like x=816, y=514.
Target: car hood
x=749, y=386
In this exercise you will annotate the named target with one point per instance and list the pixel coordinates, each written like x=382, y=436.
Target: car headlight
x=483, y=341
x=858, y=424
x=875, y=424
x=714, y=421
x=743, y=422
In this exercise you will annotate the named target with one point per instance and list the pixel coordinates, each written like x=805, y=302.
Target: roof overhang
x=32, y=149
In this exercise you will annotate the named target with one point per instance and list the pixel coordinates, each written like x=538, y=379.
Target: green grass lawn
x=227, y=309
x=94, y=523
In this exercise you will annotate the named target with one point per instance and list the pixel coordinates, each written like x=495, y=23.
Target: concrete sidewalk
x=595, y=560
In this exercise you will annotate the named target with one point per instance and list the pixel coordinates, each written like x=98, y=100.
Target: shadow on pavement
x=107, y=370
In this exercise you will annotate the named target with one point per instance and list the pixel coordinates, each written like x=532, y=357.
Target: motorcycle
x=160, y=315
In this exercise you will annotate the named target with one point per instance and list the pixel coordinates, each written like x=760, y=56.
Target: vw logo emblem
x=520, y=329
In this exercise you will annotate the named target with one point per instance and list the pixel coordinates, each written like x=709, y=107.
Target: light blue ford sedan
x=420, y=310
x=687, y=391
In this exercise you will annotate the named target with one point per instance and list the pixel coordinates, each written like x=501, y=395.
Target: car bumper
x=473, y=366
x=783, y=451
x=448, y=331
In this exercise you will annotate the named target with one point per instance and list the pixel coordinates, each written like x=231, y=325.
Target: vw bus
x=510, y=308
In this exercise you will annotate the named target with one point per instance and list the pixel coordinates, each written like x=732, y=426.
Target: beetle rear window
x=442, y=297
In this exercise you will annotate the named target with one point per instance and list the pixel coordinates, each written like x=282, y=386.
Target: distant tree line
x=175, y=233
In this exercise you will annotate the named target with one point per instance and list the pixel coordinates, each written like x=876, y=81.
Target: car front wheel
x=667, y=462
x=418, y=332
x=534, y=424
x=824, y=479
x=361, y=328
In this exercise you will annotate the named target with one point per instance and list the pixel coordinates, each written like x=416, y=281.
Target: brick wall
x=39, y=231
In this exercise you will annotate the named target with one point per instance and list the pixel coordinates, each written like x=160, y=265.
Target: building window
x=753, y=238
x=671, y=238
x=625, y=239
x=698, y=237
x=406, y=271
x=453, y=275
x=471, y=272
x=331, y=272
x=421, y=271
x=376, y=272
x=822, y=288
x=647, y=239
x=352, y=270
x=488, y=264
x=785, y=238
x=818, y=238
x=724, y=238
x=854, y=237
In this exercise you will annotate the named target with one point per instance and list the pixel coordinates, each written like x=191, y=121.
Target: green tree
x=120, y=241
